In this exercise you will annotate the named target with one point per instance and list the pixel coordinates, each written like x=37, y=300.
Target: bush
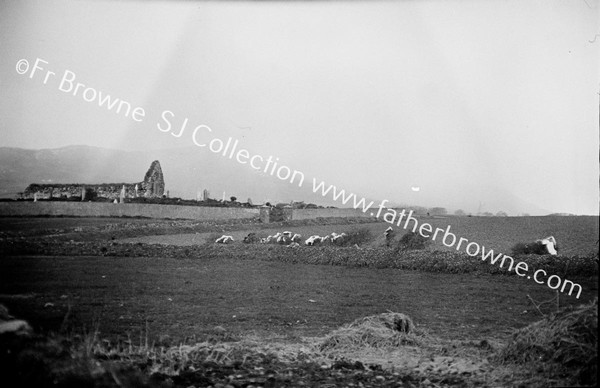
x=359, y=237
x=412, y=240
x=536, y=248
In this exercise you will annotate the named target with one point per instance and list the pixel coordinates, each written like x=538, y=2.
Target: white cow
x=224, y=240
x=271, y=239
x=296, y=238
x=283, y=239
x=550, y=244
x=312, y=240
x=338, y=238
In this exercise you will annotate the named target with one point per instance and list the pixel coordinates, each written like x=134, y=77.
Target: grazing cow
x=224, y=240
x=294, y=245
x=287, y=234
x=550, y=244
x=283, y=239
x=271, y=239
x=296, y=238
x=312, y=240
x=338, y=239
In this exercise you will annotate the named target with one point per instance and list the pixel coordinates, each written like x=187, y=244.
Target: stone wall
x=102, y=209
x=96, y=209
x=109, y=190
x=304, y=214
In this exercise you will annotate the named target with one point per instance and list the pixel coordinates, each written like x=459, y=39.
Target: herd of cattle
x=547, y=245
x=292, y=240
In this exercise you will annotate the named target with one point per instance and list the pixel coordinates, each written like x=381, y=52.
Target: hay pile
x=376, y=331
x=566, y=342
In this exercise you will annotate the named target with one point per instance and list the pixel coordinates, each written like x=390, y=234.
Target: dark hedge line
x=430, y=261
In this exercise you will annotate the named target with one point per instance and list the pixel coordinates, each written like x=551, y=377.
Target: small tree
x=459, y=212
x=501, y=214
x=233, y=199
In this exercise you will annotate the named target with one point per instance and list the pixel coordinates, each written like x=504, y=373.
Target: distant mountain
x=187, y=171
x=72, y=164
x=190, y=170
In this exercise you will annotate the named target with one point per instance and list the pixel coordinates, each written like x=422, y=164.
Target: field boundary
x=102, y=209
x=95, y=209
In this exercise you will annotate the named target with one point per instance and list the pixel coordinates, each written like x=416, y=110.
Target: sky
x=482, y=105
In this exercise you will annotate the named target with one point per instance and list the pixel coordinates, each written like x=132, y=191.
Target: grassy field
x=575, y=235
x=186, y=297
x=195, y=296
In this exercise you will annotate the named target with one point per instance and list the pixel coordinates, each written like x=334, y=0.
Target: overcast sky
x=474, y=102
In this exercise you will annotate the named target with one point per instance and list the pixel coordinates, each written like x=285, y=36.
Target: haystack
x=376, y=331
x=566, y=341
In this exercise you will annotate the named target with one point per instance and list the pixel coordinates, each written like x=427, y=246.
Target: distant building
x=153, y=186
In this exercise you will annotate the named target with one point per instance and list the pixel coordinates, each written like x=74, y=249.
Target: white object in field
x=550, y=243
x=224, y=239
x=312, y=240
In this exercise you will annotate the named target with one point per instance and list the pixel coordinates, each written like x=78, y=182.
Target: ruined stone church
x=153, y=186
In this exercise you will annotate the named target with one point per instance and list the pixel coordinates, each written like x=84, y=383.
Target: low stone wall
x=95, y=209
x=103, y=209
x=304, y=214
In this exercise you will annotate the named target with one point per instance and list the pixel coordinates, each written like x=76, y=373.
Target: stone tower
x=154, y=183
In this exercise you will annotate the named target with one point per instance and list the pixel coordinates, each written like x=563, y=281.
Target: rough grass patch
x=563, y=342
x=213, y=237
x=411, y=241
x=376, y=331
x=357, y=237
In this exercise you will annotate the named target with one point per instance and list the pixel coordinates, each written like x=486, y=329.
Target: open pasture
x=67, y=275
x=189, y=297
x=575, y=235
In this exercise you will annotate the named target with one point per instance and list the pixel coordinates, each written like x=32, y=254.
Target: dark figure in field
x=389, y=236
x=251, y=238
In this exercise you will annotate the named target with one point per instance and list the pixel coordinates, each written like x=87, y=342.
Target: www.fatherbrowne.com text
x=201, y=136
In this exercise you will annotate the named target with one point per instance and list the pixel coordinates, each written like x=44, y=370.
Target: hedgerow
x=421, y=260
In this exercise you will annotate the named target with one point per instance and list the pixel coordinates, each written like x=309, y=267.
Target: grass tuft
x=561, y=343
x=376, y=331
